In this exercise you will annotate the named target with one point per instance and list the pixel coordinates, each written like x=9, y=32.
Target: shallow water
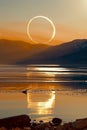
x=43, y=91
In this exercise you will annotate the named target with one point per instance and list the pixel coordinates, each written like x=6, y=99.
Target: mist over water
x=43, y=91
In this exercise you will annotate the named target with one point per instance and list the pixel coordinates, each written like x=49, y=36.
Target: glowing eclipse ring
x=46, y=18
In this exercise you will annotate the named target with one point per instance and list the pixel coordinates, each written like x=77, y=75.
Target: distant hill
x=74, y=52
x=12, y=52
x=19, y=52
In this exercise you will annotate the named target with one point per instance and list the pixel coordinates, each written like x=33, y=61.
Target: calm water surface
x=43, y=91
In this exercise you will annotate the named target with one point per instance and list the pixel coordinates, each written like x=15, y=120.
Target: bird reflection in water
x=43, y=103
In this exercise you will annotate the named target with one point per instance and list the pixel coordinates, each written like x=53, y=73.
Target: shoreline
x=23, y=122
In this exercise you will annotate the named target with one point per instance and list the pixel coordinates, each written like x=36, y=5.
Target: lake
x=43, y=91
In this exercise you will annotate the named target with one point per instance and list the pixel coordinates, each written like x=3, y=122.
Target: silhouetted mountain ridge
x=12, y=52
x=74, y=52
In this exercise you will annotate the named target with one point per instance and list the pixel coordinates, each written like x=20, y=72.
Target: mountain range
x=19, y=52
x=74, y=52
x=12, y=52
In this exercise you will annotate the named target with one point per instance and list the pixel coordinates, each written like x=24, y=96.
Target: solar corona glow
x=50, y=22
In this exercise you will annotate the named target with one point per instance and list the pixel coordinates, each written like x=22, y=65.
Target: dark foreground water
x=43, y=91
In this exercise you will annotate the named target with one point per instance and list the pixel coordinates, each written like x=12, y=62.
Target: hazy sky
x=69, y=17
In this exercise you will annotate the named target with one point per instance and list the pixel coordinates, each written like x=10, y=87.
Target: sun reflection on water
x=45, y=73
x=44, y=104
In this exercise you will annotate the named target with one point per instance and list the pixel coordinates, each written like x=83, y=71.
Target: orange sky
x=70, y=19
x=18, y=31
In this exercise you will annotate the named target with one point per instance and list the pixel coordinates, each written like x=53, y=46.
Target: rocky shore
x=23, y=122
